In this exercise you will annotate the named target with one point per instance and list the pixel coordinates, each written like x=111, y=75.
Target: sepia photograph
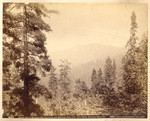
x=74, y=60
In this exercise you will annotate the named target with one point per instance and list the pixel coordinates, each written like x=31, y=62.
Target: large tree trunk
x=26, y=71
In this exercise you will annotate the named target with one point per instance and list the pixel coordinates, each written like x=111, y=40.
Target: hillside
x=85, y=58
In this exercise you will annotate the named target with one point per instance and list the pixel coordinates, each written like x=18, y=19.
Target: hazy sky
x=107, y=24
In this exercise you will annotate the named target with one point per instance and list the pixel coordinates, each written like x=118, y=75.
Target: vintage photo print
x=74, y=60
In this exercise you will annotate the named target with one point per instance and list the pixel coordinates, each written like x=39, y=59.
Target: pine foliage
x=24, y=39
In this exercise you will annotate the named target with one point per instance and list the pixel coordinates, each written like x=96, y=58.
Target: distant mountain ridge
x=85, y=53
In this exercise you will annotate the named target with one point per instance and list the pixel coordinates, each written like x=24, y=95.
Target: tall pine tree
x=110, y=99
x=53, y=82
x=132, y=85
x=81, y=90
x=97, y=82
x=143, y=73
x=53, y=87
x=22, y=33
x=94, y=81
x=81, y=93
x=109, y=74
x=64, y=87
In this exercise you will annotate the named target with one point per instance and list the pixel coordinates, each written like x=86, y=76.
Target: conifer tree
x=64, y=87
x=100, y=75
x=129, y=61
x=81, y=90
x=97, y=82
x=142, y=62
x=132, y=86
x=64, y=80
x=114, y=70
x=94, y=81
x=101, y=84
x=23, y=36
x=110, y=99
x=53, y=88
x=53, y=82
x=142, y=59
x=109, y=74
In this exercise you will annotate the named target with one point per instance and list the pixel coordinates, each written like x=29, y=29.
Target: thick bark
x=26, y=72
